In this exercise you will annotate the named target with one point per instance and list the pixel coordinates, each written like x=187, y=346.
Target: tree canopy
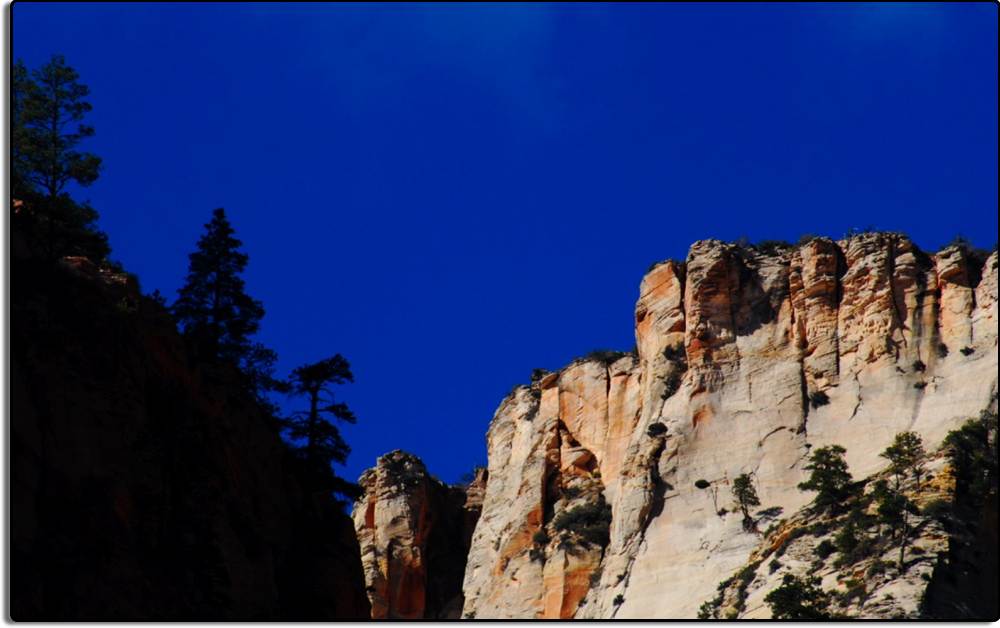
x=50, y=111
x=746, y=497
x=47, y=126
x=829, y=476
x=905, y=456
x=213, y=308
x=321, y=441
x=800, y=599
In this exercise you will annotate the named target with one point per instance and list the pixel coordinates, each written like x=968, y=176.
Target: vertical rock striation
x=414, y=534
x=746, y=359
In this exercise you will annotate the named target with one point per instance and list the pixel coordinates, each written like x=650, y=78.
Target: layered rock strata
x=746, y=359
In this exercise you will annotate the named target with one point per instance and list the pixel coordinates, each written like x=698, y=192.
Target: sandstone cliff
x=145, y=486
x=414, y=533
x=746, y=359
x=945, y=570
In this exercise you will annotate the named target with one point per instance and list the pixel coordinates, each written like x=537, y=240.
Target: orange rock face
x=710, y=295
x=814, y=284
x=733, y=347
x=414, y=534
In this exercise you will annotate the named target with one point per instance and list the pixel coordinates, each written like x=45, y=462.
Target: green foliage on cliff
x=906, y=456
x=829, y=476
x=972, y=451
x=48, y=106
x=589, y=522
x=799, y=599
x=605, y=356
x=746, y=497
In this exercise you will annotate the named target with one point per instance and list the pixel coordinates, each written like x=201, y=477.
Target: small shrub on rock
x=702, y=484
x=591, y=522
x=772, y=247
x=824, y=549
x=877, y=567
x=538, y=374
x=656, y=429
x=818, y=398
x=710, y=609
x=606, y=356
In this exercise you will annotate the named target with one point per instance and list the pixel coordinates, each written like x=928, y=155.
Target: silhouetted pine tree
x=22, y=87
x=48, y=107
x=320, y=441
x=216, y=314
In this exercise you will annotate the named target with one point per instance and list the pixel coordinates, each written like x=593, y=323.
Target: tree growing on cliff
x=893, y=509
x=906, y=456
x=48, y=108
x=321, y=441
x=829, y=476
x=213, y=308
x=746, y=497
x=22, y=89
x=972, y=451
x=799, y=599
x=218, y=317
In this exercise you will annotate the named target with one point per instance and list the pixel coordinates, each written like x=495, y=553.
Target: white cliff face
x=748, y=360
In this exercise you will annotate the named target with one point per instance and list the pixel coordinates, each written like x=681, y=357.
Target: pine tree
x=973, y=453
x=799, y=599
x=22, y=88
x=53, y=112
x=746, y=496
x=321, y=441
x=213, y=309
x=905, y=455
x=48, y=107
x=889, y=506
x=830, y=477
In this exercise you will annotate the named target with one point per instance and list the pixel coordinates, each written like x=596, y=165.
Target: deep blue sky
x=452, y=195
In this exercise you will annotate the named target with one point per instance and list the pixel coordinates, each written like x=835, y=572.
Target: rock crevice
x=733, y=345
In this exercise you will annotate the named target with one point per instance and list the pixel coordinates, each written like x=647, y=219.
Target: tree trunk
x=311, y=433
x=902, y=542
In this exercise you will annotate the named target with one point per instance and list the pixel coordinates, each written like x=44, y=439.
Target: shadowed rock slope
x=144, y=486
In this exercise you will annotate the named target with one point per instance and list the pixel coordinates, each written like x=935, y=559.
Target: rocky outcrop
x=747, y=358
x=145, y=486
x=859, y=560
x=414, y=534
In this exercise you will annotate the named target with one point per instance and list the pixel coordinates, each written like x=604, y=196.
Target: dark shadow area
x=144, y=485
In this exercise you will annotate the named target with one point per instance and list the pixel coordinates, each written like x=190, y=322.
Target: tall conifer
x=213, y=309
